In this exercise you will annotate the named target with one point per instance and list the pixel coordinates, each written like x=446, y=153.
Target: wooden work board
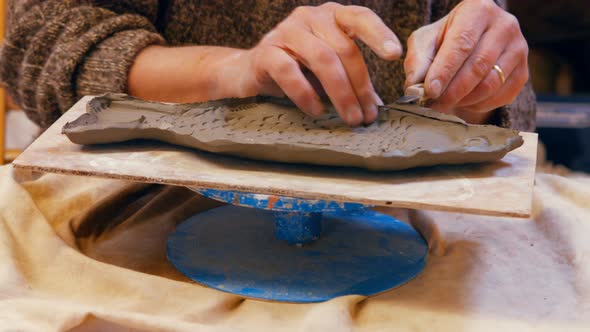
x=502, y=188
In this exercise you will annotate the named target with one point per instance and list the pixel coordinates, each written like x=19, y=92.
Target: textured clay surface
x=404, y=136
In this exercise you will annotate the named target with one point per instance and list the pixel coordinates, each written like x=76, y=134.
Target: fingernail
x=354, y=115
x=370, y=113
x=435, y=89
x=390, y=47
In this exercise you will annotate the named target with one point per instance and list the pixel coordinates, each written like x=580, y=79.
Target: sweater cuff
x=106, y=67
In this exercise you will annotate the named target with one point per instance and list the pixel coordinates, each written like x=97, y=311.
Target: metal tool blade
x=407, y=99
x=413, y=94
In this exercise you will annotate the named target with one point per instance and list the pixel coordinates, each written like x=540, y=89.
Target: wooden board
x=503, y=188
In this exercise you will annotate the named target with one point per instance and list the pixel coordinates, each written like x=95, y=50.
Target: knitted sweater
x=57, y=51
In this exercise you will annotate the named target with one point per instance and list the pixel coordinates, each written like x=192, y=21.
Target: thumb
x=422, y=47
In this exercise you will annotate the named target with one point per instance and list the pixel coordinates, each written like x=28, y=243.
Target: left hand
x=455, y=59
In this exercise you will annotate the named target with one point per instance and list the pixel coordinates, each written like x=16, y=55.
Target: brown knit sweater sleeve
x=56, y=51
x=521, y=114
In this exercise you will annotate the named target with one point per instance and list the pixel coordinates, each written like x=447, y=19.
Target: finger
x=354, y=65
x=480, y=63
x=286, y=73
x=515, y=55
x=507, y=93
x=323, y=61
x=474, y=70
x=363, y=23
x=422, y=46
x=461, y=36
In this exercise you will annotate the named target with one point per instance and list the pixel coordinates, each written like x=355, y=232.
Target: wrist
x=186, y=74
x=230, y=74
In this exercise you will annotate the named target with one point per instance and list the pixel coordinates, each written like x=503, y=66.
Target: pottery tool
x=413, y=94
x=297, y=233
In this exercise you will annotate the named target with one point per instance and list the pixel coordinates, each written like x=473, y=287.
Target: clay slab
x=502, y=188
x=403, y=136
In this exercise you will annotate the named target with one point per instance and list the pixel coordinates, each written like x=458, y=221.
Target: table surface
x=502, y=188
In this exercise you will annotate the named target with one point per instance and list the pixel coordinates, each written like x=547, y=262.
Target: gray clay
x=403, y=136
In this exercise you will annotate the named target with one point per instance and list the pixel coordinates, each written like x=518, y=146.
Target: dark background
x=558, y=33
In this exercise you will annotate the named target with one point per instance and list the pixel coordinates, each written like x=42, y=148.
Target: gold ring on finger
x=500, y=73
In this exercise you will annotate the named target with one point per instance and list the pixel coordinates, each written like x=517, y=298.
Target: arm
x=312, y=45
x=66, y=49
x=190, y=74
x=57, y=51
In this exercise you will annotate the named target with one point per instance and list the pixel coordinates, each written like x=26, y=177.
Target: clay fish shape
x=404, y=136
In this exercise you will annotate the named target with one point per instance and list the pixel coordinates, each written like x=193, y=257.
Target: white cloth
x=89, y=255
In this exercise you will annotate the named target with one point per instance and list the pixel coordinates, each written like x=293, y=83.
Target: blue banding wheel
x=234, y=249
x=297, y=221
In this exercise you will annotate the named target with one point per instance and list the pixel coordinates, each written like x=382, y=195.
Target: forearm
x=54, y=52
x=189, y=74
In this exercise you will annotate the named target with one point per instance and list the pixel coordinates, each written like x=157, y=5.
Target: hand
x=455, y=57
x=322, y=40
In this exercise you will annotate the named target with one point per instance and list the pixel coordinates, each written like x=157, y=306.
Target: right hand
x=321, y=39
